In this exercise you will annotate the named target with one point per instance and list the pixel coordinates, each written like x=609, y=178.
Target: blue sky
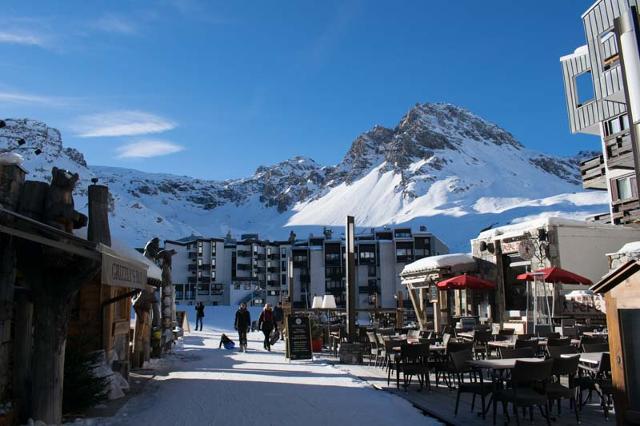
x=215, y=89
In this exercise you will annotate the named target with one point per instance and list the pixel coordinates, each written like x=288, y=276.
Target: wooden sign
x=298, y=337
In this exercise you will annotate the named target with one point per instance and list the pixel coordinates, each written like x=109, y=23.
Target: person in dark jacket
x=242, y=324
x=278, y=316
x=199, y=315
x=265, y=323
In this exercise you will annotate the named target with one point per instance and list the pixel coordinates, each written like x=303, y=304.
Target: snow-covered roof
x=580, y=51
x=517, y=229
x=154, y=272
x=437, y=262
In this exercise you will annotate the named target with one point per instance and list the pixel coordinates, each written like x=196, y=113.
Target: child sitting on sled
x=226, y=342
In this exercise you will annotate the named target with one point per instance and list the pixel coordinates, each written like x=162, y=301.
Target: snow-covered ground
x=210, y=386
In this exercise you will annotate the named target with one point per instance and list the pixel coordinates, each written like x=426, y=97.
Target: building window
x=371, y=269
x=199, y=262
x=624, y=187
x=584, y=88
x=617, y=125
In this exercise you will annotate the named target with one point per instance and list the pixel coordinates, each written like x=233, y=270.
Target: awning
x=416, y=281
x=122, y=271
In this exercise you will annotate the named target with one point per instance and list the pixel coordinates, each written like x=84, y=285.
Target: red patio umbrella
x=555, y=275
x=465, y=282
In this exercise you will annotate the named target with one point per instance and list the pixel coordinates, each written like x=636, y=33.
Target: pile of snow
x=434, y=263
x=632, y=247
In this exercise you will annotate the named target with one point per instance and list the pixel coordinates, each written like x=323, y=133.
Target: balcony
x=619, y=153
x=593, y=173
x=243, y=266
x=604, y=218
x=243, y=253
x=193, y=255
x=191, y=280
x=192, y=267
x=627, y=211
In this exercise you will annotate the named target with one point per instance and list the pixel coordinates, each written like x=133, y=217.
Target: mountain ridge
x=439, y=161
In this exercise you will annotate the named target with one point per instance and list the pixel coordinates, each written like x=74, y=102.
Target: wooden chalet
x=621, y=290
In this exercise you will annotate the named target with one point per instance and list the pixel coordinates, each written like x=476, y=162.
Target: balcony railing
x=593, y=173
x=620, y=153
x=627, y=211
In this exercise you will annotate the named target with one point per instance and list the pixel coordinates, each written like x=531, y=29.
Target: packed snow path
x=210, y=386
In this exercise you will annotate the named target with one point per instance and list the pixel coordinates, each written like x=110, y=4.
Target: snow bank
x=437, y=262
x=631, y=247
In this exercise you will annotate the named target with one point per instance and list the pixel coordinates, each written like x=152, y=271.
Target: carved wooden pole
x=11, y=181
x=31, y=205
x=98, y=230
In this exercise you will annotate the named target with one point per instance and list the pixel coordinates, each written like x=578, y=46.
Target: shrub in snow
x=83, y=388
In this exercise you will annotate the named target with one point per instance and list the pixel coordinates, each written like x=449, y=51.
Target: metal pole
x=350, y=277
x=627, y=31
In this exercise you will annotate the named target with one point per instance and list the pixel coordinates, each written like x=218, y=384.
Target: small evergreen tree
x=82, y=389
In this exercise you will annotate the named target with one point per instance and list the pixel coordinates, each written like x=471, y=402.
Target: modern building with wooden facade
x=598, y=103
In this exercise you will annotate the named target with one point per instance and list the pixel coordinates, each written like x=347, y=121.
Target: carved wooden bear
x=59, y=209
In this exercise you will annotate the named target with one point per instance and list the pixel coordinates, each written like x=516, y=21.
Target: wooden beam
x=94, y=255
x=416, y=307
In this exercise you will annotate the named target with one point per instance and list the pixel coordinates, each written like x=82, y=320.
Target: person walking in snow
x=265, y=323
x=242, y=324
x=199, y=315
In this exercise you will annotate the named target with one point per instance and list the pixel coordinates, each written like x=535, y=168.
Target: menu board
x=298, y=337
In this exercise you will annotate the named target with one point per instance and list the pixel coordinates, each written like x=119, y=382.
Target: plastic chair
x=527, y=388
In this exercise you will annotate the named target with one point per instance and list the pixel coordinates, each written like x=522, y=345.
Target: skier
x=199, y=314
x=242, y=324
x=265, y=323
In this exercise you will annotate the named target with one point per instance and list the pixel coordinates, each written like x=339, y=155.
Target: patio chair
x=592, y=340
x=382, y=352
x=562, y=341
x=510, y=353
x=373, y=344
x=558, y=351
x=543, y=330
x=506, y=332
x=598, y=379
x=475, y=385
x=410, y=363
x=480, y=342
x=526, y=389
x=595, y=347
x=556, y=391
x=525, y=336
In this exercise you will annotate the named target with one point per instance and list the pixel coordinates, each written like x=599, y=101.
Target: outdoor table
x=500, y=364
x=592, y=358
x=467, y=335
x=595, y=334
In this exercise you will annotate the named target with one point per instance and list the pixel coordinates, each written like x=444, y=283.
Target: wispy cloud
x=120, y=123
x=22, y=37
x=148, y=148
x=12, y=97
x=115, y=24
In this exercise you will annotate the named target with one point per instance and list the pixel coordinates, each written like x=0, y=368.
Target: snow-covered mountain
x=441, y=166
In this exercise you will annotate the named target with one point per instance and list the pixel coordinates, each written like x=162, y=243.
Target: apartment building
x=258, y=271
x=600, y=103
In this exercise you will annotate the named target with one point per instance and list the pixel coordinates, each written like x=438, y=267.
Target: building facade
x=227, y=271
x=598, y=104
